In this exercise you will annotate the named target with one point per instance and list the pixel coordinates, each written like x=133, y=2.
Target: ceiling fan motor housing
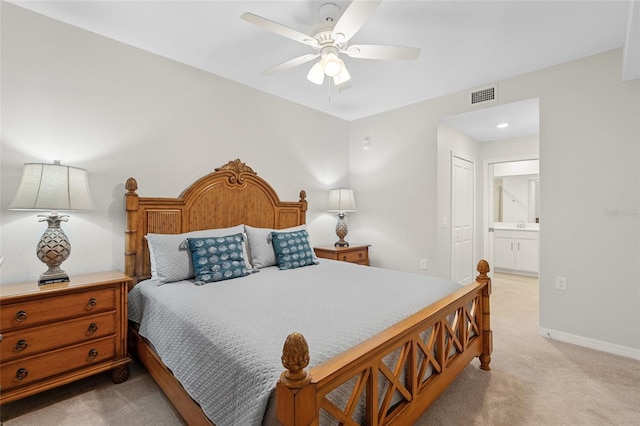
x=329, y=13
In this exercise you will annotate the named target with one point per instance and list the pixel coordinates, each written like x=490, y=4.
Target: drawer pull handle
x=91, y=303
x=92, y=354
x=93, y=327
x=344, y=257
x=21, y=345
x=360, y=255
x=21, y=373
x=21, y=316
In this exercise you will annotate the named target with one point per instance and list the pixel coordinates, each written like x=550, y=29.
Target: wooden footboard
x=399, y=372
x=428, y=350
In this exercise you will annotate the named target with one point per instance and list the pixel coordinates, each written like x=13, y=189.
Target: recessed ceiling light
x=502, y=125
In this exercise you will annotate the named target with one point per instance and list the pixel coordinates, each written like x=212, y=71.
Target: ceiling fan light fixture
x=331, y=64
x=316, y=73
x=343, y=75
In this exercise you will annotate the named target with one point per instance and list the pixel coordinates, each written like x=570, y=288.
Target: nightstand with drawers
x=54, y=334
x=354, y=254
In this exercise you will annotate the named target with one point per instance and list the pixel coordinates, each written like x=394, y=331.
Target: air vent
x=485, y=94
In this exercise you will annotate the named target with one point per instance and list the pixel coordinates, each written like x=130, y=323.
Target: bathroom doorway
x=512, y=214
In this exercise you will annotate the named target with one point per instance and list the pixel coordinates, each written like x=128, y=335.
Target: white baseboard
x=512, y=272
x=590, y=343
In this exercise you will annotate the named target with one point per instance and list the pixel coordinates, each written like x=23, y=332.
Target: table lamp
x=341, y=201
x=53, y=187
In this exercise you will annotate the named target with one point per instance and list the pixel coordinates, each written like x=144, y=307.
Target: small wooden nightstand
x=354, y=254
x=58, y=333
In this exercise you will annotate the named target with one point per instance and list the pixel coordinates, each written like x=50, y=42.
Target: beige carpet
x=533, y=381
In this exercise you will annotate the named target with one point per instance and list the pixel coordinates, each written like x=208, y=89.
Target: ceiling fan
x=330, y=43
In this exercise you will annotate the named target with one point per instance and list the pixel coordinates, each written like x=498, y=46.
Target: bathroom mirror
x=516, y=192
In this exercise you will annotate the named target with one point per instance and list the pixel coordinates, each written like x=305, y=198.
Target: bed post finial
x=303, y=209
x=295, y=357
x=131, y=185
x=483, y=270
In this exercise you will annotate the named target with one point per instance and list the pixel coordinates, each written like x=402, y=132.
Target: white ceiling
x=464, y=44
x=522, y=118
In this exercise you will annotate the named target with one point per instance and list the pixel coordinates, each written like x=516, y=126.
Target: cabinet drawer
x=47, y=309
x=28, y=370
x=35, y=340
x=359, y=256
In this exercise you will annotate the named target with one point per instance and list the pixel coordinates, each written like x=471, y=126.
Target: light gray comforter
x=224, y=340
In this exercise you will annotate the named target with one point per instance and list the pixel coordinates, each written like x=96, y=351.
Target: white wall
x=508, y=148
x=396, y=184
x=589, y=155
x=117, y=111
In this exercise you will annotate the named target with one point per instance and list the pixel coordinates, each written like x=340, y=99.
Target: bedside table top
x=76, y=281
x=339, y=249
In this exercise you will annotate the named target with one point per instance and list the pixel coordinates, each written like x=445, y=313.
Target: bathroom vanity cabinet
x=516, y=251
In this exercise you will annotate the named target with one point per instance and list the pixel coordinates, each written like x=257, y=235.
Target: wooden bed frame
x=429, y=348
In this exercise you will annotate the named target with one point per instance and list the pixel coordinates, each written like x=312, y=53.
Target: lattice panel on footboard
x=391, y=381
x=460, y=328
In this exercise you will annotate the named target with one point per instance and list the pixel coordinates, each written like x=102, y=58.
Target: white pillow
x=261, y=248
x=170, y=255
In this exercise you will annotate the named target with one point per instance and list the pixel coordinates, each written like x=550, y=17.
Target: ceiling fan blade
x=279, y=29
x=377, y=51
x=291, y=63
x=353, y=19
x=344, y=86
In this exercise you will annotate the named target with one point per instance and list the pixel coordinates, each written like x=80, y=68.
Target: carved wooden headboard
x=232, y=195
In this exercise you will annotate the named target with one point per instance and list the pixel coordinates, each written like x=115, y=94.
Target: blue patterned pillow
x=218, y=258
x=292, y=249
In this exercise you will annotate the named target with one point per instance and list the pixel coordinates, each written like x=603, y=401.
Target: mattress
x=223, y=341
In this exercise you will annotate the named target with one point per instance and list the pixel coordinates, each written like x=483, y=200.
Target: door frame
x=487, y=199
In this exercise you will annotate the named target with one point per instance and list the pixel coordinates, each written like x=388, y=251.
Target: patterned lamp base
x=53, y=249
x=341, y=231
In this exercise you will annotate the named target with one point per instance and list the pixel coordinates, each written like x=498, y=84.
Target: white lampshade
x=316, y=73
x=342, y=76
x=52, y=187
x=342, y=200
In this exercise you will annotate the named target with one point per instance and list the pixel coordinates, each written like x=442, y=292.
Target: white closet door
x=462, y=214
